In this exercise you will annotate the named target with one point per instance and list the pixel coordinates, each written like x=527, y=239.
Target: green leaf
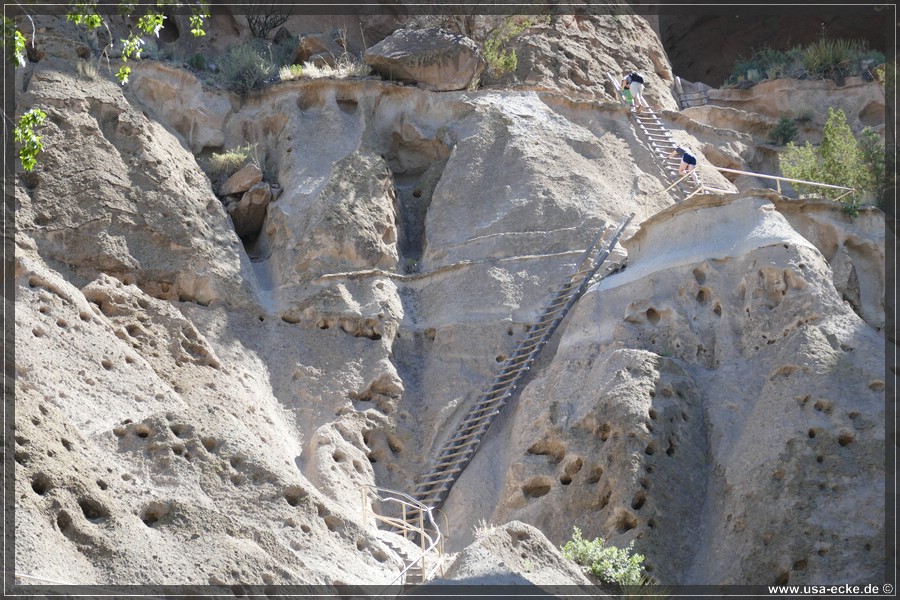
x=131, y=47
x=200, y=13
x=84, y=13
x=122, y=74
x=31, y=142
x=14, y=42
x=151, y=23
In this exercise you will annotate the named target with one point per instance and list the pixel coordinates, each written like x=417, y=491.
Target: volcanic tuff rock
x=431, y=58
x=694, y=397
x=190, y=409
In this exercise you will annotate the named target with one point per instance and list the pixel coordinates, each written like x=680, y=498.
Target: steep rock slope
x=717, y=402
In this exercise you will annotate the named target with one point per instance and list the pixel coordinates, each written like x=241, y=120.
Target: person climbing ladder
x=635, y=83
x=688, y=163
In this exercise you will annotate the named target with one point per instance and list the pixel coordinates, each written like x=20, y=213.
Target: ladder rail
x=460, y=448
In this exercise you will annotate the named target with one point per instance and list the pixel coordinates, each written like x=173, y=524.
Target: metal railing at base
x=423, y=527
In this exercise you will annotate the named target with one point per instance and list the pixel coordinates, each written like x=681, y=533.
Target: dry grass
x=483, y=528
x=227, y=163
x=345, y=69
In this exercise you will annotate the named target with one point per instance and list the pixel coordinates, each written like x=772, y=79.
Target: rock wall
x=716, y=403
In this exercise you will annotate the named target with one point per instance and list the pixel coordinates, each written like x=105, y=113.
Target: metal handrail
x=435, y=542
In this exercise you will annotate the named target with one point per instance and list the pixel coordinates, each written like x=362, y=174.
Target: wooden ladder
x=661, y=144
x=460, y=447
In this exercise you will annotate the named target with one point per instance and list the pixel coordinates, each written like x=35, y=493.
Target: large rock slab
x=432, y=58
x=716, y=402
x=134, y=203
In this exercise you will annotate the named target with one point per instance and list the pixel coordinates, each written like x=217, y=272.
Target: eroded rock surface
x=431, y=58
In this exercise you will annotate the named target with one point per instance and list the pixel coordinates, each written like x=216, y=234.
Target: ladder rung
x=482, y=406
x=456, y=446
x=462, y=440
x=434, y=483
x=496, y=398
x=479, y=418
x=463, y=427
x=461, y=452
x=446, y=471
x=513, y=360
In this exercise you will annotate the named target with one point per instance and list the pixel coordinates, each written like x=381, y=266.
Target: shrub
x=875, y=177
x=839, y=160
x=785, y=131
x=608, y=563
x=263, y=18
x=225, y=164
x=247, y=66
x=197, y=62
x=500, y=58
x=823, y=59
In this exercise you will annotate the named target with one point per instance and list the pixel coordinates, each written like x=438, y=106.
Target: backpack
x=638, y=77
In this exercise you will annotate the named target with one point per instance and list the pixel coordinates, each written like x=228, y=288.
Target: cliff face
x=193, y=408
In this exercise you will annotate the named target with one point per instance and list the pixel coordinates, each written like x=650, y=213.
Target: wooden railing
x=776, y=178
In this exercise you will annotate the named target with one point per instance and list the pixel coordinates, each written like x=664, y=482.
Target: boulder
x=243, y=180
x=434, y=59
x=248, y=214
x=313, y=45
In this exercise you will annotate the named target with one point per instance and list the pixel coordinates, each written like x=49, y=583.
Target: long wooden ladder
x=460, y=448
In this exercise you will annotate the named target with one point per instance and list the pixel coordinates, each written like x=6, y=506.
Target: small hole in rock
x=153, y=513
x=93, y=510
x=295, y=495
x=41, y=484
x=639, y=499
x=536, y=487
x=626, y=522
x=845, y=438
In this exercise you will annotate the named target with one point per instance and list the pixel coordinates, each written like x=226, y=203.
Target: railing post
x=405, y=530
x=365, y=513
x=422, y=542
x=778, y=184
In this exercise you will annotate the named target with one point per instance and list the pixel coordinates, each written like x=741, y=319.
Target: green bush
x=839, y=160
x=608, y=563
x=875, y=177
x=247, y=66
x=823, y=59
x=500, y=58
x=785, y=131
x=197, y=62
